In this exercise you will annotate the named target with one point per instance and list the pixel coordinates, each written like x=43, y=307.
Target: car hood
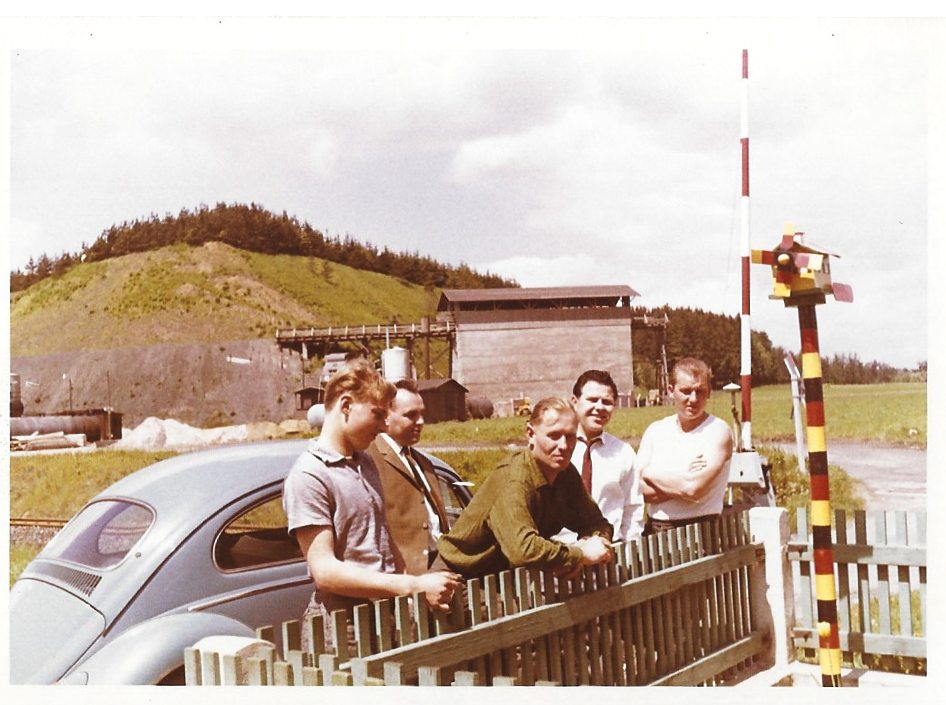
x=50, y=629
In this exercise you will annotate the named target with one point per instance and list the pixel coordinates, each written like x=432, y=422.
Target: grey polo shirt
x=324, y=488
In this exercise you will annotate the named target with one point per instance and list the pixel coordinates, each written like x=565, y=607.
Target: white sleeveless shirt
x=672, y=451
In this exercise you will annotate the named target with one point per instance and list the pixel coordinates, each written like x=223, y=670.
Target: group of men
x=367, y=511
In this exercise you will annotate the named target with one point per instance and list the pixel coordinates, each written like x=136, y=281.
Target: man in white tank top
x=683, y=460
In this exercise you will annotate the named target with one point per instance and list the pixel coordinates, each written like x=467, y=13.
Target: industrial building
x=533, y=343
x=511, y=346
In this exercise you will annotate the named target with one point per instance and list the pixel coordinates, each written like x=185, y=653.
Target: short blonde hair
x=697, y=369
x=554, y=405
x=362, y=381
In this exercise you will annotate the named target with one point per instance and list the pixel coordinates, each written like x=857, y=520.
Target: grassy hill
x=155, y=333
x=209, y=294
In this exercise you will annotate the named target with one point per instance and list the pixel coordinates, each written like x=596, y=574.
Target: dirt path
x=893, y=478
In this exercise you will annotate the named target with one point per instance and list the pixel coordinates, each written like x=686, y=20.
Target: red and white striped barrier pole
x=745, y=369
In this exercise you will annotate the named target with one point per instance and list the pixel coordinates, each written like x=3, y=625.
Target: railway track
x=37, y=523
x=33, y=532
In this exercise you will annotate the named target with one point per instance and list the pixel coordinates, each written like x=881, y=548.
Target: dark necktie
x=586, y=462
x=425, y=488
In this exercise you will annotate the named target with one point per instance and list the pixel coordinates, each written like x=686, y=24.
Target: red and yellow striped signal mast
x=802, y=279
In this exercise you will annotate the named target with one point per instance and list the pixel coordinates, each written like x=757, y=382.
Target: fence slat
x=402, y=621
x=363, y=629
x=903, y=576
x=311, y=676
x=257, y=671
x=297, y=660
x=392, y=673
x=384, y=624
x=883, y=574
x=672, y=608
x=282, y=673
x=191, y=666
x=842, y=571
x=524, y=598
x=662, y=644
x=466, y=678
x=428, y=675
x=421, y=616
x=209, y=669
x=920, y=540
x=552, y=640
x=863, y=574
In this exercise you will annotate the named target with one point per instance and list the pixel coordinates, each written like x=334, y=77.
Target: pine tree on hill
x=255, y=229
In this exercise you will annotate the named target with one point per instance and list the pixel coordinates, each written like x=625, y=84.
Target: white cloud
x=560, y=152
x=564, y=270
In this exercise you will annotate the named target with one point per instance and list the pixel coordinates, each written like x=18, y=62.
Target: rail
x=297, y=336
x=27, y=523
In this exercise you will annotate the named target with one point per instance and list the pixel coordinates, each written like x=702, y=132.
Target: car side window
x=256, y=538
x=451, y=500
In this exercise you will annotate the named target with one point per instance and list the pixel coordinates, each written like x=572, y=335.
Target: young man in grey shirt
x=334, y=504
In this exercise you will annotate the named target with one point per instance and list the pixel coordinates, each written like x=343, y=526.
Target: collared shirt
x=512, y=516
x=417, y=472
x=615, y=486
x=325, y=488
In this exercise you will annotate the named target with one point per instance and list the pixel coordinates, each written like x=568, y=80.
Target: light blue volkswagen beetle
x=189, y=547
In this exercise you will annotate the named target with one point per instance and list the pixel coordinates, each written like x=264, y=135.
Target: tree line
x=255, y=229
x=689, y=332
x=715, y=338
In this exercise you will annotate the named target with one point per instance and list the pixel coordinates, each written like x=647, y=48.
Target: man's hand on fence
x=595, y=549
x=438, y=588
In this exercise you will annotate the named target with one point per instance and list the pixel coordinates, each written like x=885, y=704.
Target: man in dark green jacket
x=531, y=496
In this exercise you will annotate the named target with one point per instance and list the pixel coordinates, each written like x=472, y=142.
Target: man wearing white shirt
x=604, y=460
x=683, y=459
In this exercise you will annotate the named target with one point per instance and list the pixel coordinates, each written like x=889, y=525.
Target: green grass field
x=879, y=412
x=57, y=485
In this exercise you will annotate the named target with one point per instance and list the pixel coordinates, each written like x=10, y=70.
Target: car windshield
x=102, y=534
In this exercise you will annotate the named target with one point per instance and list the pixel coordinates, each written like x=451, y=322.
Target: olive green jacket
x=511, y=517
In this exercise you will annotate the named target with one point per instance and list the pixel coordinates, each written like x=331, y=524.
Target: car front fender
x=149, y=651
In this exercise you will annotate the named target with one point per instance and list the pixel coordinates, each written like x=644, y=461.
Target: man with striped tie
x=606, y=463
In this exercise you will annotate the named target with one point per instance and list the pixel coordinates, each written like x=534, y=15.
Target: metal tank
x=95, y=424
x=396, y=364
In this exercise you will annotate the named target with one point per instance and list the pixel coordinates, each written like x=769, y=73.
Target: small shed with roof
x=444, y=400
x=534, y=342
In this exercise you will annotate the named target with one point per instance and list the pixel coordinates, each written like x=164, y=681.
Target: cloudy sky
x=555, y=152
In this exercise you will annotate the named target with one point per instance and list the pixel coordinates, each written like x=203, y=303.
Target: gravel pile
x=168, y=434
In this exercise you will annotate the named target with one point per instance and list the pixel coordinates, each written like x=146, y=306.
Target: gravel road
x=892, y=477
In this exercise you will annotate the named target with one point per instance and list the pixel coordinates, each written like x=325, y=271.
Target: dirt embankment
x=208, y=385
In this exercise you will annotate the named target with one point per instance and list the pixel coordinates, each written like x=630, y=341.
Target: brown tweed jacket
x=405, y=506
